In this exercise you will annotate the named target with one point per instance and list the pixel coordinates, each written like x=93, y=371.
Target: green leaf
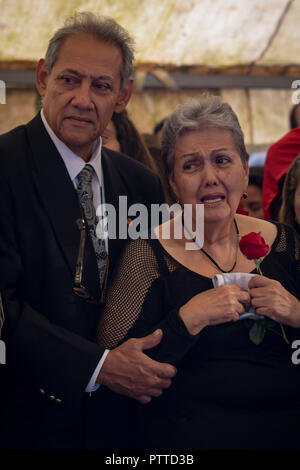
x=269, y=323
x=255, y=318
x=257, y=333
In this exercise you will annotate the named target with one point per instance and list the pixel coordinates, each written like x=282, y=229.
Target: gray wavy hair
x=101, y=28
x=199, y=115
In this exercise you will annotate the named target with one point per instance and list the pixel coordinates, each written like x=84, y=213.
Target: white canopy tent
x=246, y=50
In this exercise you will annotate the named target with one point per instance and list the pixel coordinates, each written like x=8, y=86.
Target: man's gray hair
x=194, y=115
x=102, y=28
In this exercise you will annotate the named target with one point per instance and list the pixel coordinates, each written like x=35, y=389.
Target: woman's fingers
x=274, y=301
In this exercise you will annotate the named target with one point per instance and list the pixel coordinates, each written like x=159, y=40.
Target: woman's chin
x=216, y=215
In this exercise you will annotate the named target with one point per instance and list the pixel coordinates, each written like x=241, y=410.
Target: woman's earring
x=245, y=195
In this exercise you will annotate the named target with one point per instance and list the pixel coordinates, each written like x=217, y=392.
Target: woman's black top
x=229, y=393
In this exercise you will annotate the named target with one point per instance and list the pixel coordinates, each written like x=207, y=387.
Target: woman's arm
x=136, y=272
x=182, y=326
x=136, y=306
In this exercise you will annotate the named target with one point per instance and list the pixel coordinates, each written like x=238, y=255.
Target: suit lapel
x=118, y=183
x=114, y=187
x=60, y=201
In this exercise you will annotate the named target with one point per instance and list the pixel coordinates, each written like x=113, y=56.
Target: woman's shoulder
x=275, y=233
x=269, y=230
x=145, y=249
x=142, y=246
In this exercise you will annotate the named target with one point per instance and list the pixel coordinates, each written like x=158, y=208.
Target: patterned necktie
x=85, y=194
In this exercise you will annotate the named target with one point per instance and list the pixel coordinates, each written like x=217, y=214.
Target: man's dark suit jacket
x=50, y=332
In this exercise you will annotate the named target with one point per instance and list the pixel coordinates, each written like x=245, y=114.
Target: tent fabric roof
x=235, y=36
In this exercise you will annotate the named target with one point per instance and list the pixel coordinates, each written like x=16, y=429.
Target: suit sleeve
x=40, y=354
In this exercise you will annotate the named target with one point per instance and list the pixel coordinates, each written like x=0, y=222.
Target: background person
x=229, y=393
x=279, y=157
x=295, y=116
x=253, y=202
x=290, y=210
x=157, y=129
x=122, y=135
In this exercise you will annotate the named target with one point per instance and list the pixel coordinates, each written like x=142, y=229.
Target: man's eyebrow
x=81, y=75
x=73, y=72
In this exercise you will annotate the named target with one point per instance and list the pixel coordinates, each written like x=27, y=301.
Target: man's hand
x=128, y=371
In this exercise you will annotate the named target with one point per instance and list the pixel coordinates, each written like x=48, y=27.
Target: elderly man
x=53, y=267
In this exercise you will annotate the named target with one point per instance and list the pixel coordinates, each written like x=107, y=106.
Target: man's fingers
x=154, y=392
x=143, y=399
x=163, y=371
x=150, y=341
x=165, y=383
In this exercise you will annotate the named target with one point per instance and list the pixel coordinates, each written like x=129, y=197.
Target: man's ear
x=124, y=97
x=41, y=77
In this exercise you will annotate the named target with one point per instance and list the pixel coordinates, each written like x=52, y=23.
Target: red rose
x=253, y=246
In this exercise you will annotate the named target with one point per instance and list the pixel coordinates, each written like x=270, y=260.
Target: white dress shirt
x=74, y=165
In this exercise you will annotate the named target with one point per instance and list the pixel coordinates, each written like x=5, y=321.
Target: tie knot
x=86, y=174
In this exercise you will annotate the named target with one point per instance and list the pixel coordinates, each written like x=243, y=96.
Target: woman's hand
x=271, y=299
x=214, y=306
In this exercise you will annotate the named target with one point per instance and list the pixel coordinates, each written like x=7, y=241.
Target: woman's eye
x=188, y=166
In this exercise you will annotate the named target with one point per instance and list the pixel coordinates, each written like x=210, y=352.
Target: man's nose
x=82, y=97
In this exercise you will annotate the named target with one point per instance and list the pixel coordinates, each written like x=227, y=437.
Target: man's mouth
x=80, y=119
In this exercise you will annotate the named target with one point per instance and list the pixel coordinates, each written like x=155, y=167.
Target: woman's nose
x=209, y=175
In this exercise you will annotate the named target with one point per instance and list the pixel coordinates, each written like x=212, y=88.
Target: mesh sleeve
x=288, y=247
x=137, y=270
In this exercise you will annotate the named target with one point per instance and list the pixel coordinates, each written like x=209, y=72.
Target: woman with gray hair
x=236, y=386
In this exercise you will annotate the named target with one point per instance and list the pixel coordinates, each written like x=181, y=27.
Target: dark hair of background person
x=277, y=201
x=287, y=211
x=158, y=126
x=153, y=145
x=254, y=203
x=295, y=116
x=256, y=176
x=130, y=140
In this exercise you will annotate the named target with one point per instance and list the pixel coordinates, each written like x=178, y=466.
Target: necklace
x=210, y=257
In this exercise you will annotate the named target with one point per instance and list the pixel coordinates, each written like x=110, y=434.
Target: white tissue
x=236, y=278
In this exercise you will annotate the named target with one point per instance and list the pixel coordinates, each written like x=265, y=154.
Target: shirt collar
x=74, y=163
